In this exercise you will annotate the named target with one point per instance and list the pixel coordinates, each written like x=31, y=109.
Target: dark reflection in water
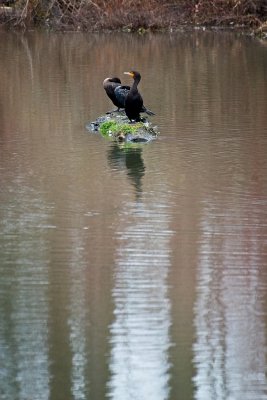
x=129, y=159
x=133, y=272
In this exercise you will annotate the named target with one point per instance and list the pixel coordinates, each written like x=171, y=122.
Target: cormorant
x=133, y=101
x=118, y=93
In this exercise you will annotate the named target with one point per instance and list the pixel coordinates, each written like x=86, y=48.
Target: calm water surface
x=133, y=273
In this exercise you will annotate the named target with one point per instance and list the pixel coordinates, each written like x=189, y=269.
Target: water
x=133, y=273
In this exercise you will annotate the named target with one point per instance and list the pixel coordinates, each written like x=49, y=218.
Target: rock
x=116, y=125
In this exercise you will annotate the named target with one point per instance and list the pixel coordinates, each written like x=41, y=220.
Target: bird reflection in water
x=131, y=160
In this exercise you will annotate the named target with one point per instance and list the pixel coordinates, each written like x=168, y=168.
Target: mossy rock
x=116, y=125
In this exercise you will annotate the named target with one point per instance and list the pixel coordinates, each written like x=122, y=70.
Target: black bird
x=115, y=91
x=133, y=101
x=118, y=93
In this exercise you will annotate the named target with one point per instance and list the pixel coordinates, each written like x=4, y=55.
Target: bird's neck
x=135, y=84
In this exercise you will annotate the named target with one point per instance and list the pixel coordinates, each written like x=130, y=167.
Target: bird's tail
x=148, y=112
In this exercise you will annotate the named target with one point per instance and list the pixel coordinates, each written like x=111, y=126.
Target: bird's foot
x=113, y=111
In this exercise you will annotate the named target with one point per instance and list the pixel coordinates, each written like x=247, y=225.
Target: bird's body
x=110, y=84
x=121, y=93
x=134, y=101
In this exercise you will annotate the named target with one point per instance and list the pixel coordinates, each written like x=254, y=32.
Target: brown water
x=133, y=273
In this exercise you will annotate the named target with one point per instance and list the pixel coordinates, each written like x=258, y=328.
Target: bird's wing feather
x=121, y=92
x=147, y=111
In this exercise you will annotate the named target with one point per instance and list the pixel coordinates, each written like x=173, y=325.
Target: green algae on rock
x=116, y=125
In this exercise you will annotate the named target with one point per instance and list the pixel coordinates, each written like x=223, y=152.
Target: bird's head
x=134, y=74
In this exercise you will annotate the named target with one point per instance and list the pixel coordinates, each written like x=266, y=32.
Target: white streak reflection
x=140, y=331
x=24, y=351
x=77, y=322
x=230, y=347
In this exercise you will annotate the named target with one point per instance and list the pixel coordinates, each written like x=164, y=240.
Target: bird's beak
x=129, y=73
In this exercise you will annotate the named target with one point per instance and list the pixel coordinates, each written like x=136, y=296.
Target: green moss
x=107, y=127
x=114, y=127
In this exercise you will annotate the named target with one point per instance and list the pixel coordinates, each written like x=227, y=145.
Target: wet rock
x=116, y=125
